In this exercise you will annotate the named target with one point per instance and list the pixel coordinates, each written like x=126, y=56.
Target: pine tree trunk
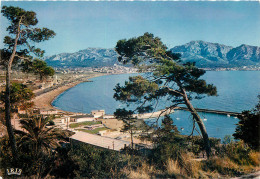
x=7, y=95
x=199, y=122
x=8, y=114
x=132, y=142
x=41, y=78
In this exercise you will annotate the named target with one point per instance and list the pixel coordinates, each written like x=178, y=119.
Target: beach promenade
x=44, y=100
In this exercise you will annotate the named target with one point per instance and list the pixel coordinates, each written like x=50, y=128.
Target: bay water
x=237, y=91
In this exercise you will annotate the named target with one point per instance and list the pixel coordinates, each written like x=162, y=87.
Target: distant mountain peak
x=201, y=42
x=89, y=57
x=207, y=54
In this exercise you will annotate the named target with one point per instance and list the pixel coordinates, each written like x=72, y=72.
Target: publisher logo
x=14, y=171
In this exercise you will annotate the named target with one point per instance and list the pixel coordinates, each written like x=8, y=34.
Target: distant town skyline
x=80, y=25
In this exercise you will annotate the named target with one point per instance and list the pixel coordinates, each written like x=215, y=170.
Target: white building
x=65, y=119
x=48, y=111
x=98, y=113
x=82, y=118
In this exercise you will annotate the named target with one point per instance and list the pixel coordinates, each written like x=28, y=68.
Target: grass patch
x=88, y=123
x=94, y=131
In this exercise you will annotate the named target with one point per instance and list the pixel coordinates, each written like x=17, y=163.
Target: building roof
x=104, y=142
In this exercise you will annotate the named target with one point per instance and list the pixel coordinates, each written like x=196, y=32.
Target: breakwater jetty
x=154, y=114
x=210, y=111
x=169, y=111
x=145, y=115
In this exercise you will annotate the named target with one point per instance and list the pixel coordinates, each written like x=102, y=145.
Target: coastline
x=45, y=100
x=49, y=103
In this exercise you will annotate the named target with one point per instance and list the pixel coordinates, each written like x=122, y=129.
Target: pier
x=145, y=115
x=154, y=114
x=210, y=111
x=166, y=112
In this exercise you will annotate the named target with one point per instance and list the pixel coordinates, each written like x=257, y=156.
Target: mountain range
x=90, y=57
x=205, y=54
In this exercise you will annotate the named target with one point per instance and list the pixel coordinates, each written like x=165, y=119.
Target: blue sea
x=237, y=91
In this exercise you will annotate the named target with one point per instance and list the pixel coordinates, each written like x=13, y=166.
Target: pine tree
x=22, y=34
x=166, y=78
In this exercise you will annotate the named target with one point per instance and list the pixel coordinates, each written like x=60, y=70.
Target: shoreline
x=45, y=100
x=60, y=110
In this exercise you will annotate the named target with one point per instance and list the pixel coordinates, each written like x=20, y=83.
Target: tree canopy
x=38, y=67
x=22, y=32
x=130, y=122
x=20, y=96
x=166, y=78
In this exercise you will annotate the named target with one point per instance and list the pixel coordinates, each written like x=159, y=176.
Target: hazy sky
x=80, y=25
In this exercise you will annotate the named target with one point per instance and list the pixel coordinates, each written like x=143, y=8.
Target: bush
x=197, y=145
x=64, y=165
x=237, y=152
x=233, y=159
x=92, y=162
x=254, y=157
x=184, y=166
x=228, y=139
x=223, y=166
x=248, y=127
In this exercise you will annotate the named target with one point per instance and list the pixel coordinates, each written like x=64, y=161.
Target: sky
x=80, y=25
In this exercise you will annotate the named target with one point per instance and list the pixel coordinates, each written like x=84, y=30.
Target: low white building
x=98, y=113
x=65, y=119
x=48, y=111
x=108, y=117
x=82, y=118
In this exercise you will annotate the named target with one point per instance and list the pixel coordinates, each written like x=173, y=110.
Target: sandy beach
x=45, y=100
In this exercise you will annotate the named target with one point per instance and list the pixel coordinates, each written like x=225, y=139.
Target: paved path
x=104, y=142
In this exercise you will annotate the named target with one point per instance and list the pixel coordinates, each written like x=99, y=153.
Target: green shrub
x=92, y=162
x=237, y=152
